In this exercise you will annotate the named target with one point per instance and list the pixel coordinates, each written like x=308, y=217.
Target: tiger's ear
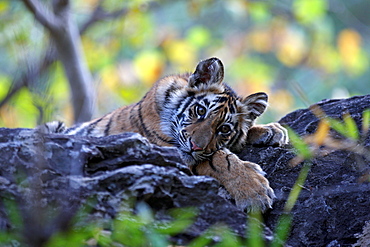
x=207, y=72
x=256, y=104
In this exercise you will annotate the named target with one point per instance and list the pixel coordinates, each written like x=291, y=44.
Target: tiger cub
x=207, y=121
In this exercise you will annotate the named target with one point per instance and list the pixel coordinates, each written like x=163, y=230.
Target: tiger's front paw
x=245, y=182
x=272, y=134
x=253, y=191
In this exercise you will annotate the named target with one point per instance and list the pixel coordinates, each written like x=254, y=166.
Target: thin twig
x=100, y=14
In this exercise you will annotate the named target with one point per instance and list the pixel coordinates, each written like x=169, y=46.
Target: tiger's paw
x=245, y=182
x=272, y=134
x=252, y=191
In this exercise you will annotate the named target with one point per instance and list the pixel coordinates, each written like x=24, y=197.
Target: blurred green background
x=298, y=51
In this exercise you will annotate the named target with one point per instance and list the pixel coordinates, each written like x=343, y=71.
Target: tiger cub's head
x=207, y=115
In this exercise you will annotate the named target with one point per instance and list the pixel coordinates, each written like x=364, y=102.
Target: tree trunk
x=68, y=44
x=65, y=34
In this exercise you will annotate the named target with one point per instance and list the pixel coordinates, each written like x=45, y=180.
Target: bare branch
x=30, y=75
x=42, y=14
x=100, y=14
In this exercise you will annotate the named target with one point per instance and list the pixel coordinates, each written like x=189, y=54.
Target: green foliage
x=366, y=121
x=129, y=229
x=300, y=145
x=308, y=11
x=347, y=128
x=283, y=226
x=293, y=196
x=143, y=230
x=282, y=230
x=255, y=230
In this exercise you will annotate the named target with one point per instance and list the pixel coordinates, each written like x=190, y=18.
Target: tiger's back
x=143, y=117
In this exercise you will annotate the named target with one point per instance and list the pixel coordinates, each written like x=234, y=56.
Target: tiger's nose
x=195, y=147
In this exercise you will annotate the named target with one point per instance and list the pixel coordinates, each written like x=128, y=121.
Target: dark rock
x=334, y=204
x=65, y=171
x=51, y=176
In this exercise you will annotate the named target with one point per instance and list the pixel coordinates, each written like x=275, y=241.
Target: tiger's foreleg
x=244, y=180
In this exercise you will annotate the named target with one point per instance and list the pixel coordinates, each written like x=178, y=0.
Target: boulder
x=107, y=174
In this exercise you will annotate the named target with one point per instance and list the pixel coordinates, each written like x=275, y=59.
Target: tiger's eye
x=200, y=110
x=225, y=129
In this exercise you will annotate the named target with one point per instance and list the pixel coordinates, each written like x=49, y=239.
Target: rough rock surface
x=335, y=201
x=66, y=171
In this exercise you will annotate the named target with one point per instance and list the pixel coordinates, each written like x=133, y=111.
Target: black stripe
x=228, y=163
x=151, y=134
x=200, y=97
x=235, y=139
x=217, y=108
x=211, y=165
x=132, y=116
x=141, y=124
x=107, y=128
x=231, y=107
x=61, y=127
x=169, y=91
x=194, y=169
x=84, y=131
x=222, y=99
x=189, y=100
x=91, y=126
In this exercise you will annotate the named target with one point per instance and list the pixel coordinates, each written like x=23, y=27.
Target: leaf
x=338, y=126
x=347, y=128
x=308, y=11
x=301, y=146
x=183, y=218
x=322, y=132
x=285, y=220
x=352, y=130
x=255, y=229
x=282, y=230
x=296, y=190
x=365, y=121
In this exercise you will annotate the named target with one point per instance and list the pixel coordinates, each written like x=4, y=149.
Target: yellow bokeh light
x=349, y=46
x=180, y=53
x=149, y=66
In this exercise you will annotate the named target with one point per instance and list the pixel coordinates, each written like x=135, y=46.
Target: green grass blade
x=352, y=130
x=302, y=147
x=365, y=121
